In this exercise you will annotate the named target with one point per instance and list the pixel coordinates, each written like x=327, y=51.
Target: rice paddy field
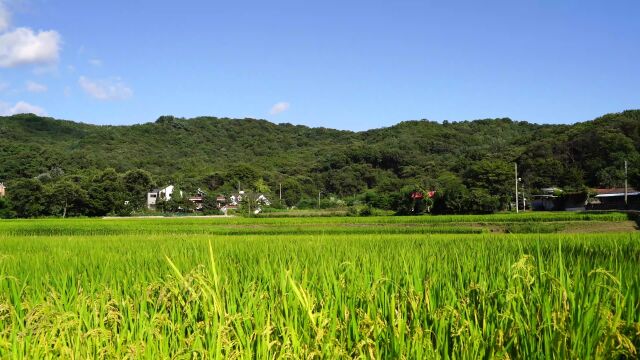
x=533, y=286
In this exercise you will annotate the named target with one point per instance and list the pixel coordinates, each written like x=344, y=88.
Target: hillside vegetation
x=469, y=163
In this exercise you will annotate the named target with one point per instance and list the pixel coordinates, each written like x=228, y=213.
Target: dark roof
x=614, y=191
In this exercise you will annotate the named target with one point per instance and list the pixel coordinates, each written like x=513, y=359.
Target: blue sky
x=341, y=64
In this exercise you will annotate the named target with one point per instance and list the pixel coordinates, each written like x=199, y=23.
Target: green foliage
x=360, y=210
x=452, y=196
x=65, y=198
x=483, y=202
x=220, y=154
x=5, y=209
x=406, y=205
x=27, y=197
x=177, y=203
x=292, y=191
x=136, y=184
x=209, y=205
x=495, y=178
x=261, y=187
x=214, y=181
x=106, y=193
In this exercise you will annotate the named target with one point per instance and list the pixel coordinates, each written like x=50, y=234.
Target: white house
x=155, y=195
x=235, y=200
x=263, y=200
x=2, y=189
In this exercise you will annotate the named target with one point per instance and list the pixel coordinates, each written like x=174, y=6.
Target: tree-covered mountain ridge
x=217, y=153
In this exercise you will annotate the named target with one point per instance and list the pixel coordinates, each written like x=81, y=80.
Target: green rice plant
x=176, y=293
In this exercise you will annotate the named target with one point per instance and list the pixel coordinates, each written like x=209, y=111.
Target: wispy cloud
x=35, y=87
x=5, y=17
x=105, y=89
x=279, y=107
x=21, y=107
x=95, y=62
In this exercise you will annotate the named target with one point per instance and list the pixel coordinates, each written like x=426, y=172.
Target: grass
x=159, y=290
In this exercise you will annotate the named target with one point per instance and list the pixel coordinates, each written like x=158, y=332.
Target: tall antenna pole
x=280, y=191
x=516, y=167
x=625, y=184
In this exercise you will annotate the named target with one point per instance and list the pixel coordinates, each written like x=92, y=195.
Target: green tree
x=261, y=187
x=244, y=174
x=65, y=197
x=214, y=181
x=496, y=177
x=106, y=194
x=210, y=205
x=5, y=209
x=405, y=204
x=136, y=185
x=480, y=201
x=178, y=203
x=452, y=196
x=27, y=198
x=291, y=192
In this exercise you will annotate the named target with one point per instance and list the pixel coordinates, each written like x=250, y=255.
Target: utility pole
x=516, y=167
x=280, y=192
x=625, y=184
x=319, y=192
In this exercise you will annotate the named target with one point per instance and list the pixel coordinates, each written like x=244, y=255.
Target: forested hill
x=216, y=153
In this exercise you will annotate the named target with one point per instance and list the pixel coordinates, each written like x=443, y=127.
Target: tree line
x=62, y=168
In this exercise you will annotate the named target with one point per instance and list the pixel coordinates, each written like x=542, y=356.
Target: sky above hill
x=341, y=64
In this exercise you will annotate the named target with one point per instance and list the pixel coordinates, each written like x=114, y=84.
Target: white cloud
x=106, y=89
x=5, y=17
x=4, y=86
x=95, y=62
x=35, y=87
x=24, y=46
x=279, y=107
x=21, y=107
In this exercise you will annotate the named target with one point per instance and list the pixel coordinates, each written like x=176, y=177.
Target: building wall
x=151, y=200
x=568, y=202
x=2, y=190
x=542, y=204
x=164, y=194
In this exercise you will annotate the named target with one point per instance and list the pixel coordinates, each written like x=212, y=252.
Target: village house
x=220, y=201
x=235, y=199
x=614, y=199
x=554, y=199
x=198, y=199
x=2, y=189
x=156, y=195
x=546, y=200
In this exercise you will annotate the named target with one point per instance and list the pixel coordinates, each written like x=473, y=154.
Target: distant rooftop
x=615, y=192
